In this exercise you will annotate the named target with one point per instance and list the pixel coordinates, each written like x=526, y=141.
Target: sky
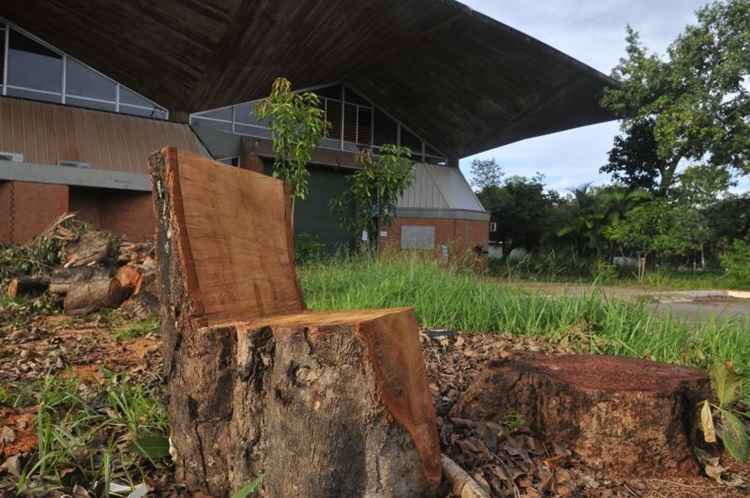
x=592, y=31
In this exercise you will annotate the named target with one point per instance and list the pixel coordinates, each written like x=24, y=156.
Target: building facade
x=86, y=98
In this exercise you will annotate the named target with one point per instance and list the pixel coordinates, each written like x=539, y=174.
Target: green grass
x=462, y=301
x=140, y=328
x=89, y=435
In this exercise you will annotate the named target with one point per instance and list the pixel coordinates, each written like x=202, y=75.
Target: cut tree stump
x=320, y=404
x=627, y=416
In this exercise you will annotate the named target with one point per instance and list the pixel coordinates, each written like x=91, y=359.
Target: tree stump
x=320, y=404
x=627, y=416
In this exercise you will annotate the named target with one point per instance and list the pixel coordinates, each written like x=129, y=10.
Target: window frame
x=5, y=29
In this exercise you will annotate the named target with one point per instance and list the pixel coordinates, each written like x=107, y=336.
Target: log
x=461, y=483
x=320, y=404
x=626, y=416
x=27, y=286
x=93, y=247
x=62, y=279
x=87, y=297
x=130, y=279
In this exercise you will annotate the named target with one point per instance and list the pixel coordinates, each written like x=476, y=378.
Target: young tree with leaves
x=297, y=124
x=374, y=190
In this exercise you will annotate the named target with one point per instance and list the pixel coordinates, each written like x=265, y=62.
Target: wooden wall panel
x=46, y=133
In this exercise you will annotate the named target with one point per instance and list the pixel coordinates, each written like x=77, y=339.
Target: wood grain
x=235, y=239
x=461, y=80
x=46, y=133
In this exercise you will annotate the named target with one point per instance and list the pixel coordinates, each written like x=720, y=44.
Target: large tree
x=697, y=97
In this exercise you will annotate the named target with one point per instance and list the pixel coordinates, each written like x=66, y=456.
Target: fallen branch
x=462, y=484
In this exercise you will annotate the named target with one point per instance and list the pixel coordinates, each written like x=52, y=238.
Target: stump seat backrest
x=232, y=229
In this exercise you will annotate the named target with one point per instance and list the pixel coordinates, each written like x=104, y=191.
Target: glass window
x=151, y=112
x=31, y=94
x=33, y=65
x=333, y=116
x=364, y=130
x=410, y=140
x=197, y=121
x=2, y=54
x=350, y=123
x=90, y=104
x=132, y=98
x=254, y=131
x=223, y=114
x=386, y=131
x=84, y=82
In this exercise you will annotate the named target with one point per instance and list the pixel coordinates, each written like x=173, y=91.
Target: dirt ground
x=507, y=460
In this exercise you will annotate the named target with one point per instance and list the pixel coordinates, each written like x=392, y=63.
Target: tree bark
x=320, y=404
x=62, y=279
x=626, y=416
x=93, y=295
x=24, y=286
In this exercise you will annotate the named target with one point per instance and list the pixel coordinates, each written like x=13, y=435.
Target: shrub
x=736, y=263
x=308, y=248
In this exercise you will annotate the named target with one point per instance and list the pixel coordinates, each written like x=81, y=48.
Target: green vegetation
x=457, y=299
x=298, y=124
x=374, y=189
x=132, y=330
x=684, y=143
x=731, y=429
x=94, y=436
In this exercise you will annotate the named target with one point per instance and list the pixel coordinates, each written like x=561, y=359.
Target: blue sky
x=592, y=31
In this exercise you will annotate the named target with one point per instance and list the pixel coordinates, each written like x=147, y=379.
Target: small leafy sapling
x=374, y=190
x=730, y=429
x=297, y=124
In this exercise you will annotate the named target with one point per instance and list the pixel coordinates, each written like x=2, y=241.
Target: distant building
x=432, y=75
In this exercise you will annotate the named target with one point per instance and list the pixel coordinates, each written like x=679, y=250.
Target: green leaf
x=152, y=446
x=245, y=490
x=726, y=383
x=734, y=436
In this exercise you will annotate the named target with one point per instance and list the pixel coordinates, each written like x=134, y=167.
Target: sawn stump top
x=606, y=373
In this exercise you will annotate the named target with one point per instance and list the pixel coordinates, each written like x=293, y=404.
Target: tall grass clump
x=461, y=300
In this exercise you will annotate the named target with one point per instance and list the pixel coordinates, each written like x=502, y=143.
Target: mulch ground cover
x=506, y=459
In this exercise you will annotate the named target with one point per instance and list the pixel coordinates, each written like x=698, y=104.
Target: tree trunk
x=626, y=416
x=24, y=286
x=320, y=404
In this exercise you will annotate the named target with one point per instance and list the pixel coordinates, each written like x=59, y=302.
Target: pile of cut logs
x=98, y=270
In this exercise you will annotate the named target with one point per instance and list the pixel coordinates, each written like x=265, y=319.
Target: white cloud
x=592, y=31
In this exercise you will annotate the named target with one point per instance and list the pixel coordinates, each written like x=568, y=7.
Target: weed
x=462, y=301
x=87, y=435
x=137, y=329
x=513, y=421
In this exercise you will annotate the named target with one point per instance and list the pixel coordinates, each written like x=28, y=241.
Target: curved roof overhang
x=461, y=80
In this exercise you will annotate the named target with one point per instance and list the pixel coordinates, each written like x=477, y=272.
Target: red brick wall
x=128, y=213
x=459, y=235
x=28, y=208
x=123, y=212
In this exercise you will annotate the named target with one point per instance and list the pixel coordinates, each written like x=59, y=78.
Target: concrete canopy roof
x=463, y=81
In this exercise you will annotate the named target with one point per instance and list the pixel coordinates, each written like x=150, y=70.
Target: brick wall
x=28, y=208
x=459, y=235
x=123, y=212
x=129, y=213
